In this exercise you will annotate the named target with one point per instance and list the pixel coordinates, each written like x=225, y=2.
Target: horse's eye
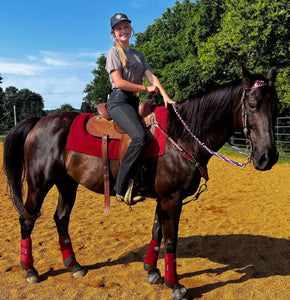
x=252, y=106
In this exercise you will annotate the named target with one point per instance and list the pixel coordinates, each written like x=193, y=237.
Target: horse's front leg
x=170, y=210
x=150, y=262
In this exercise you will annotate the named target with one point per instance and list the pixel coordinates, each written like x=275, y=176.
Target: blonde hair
x=123, y=57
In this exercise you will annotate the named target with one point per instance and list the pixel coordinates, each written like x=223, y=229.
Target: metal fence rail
x=282, y=134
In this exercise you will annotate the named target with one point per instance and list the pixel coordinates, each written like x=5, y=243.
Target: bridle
x=257, y=84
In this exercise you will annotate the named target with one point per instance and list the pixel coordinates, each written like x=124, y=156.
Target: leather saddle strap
x=106, y=172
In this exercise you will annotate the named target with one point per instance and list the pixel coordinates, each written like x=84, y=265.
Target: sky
x=51, y=46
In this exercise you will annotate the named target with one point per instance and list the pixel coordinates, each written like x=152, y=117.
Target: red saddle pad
x=80, y=140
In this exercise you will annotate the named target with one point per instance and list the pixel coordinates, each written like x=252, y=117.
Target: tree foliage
x=99, y=89
x=196, y=44
x=65, y=107
x=27, y=104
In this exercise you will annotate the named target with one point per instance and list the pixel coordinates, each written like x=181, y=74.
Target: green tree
x=27, y=104
x=99, y=89
x=86, y=107
x=9, y=100
x=65, y=107
x=196, y=44
x=253, y=33
x=1, y=99
x=171, y=44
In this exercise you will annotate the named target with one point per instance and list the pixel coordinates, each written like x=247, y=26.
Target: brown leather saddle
x=104, y=127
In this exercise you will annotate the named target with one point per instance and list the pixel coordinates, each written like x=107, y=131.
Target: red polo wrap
x=170, y=277
x=68, y=255
x=26, y=258
x=152, y=255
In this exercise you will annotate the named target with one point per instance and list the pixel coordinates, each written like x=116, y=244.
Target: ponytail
x=123, y=57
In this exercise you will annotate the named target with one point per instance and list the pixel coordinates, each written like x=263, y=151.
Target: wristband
x=146, y=89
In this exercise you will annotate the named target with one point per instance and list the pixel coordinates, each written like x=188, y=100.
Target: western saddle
x=102, y=126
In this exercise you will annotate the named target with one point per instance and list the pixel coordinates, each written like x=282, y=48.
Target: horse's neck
x=210, y=120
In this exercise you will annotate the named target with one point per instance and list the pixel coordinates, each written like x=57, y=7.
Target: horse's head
x=260, y=107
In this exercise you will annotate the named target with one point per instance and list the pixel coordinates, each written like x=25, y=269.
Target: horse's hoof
x=78, y=271
x=32, y=276
x=179, y=292
x=154, y=277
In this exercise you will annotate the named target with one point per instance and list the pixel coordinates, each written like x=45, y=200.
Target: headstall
x=257, y=84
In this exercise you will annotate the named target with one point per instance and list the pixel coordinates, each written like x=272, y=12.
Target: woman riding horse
x=38, y=148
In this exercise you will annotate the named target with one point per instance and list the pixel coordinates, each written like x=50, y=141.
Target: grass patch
x=284, y=157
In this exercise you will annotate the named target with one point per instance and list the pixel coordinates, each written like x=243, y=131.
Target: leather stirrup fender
x=106, y=172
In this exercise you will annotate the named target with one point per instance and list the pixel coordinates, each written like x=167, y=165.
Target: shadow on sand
x=253, y=256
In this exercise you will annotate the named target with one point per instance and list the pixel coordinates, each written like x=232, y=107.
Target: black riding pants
x=124, y=113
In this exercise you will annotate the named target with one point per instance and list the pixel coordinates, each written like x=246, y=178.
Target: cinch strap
x=68, y=255
x=150, y=262
x=170, y=277
x=26, y=259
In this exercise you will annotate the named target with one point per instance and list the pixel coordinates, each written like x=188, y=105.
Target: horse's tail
x=13, y=163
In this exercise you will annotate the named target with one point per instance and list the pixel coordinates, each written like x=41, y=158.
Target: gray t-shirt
x=136, y=65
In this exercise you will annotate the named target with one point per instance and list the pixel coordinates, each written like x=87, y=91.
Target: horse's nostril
x=266, y=160
x=263, y=159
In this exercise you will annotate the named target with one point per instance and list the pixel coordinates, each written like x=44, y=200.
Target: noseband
x=257, y=84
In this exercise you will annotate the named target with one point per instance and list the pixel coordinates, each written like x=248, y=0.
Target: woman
x=126, y=68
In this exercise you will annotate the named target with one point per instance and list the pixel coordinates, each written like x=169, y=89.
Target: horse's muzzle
x=264, y=161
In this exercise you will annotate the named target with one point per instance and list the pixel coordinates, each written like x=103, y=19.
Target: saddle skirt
x=88, y=129
x=101, y=127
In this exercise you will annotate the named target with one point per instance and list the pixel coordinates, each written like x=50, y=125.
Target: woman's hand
x=153, y=89
x=167, y=100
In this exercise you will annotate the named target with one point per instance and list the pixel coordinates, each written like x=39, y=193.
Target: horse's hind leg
x=150, y=262
x=33, y=205
x=67, y=194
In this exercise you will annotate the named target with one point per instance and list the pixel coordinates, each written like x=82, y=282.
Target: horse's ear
x=272, y=75
x=245, y=72
x=245, y=77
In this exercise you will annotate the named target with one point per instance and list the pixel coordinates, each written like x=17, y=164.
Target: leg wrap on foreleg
x=68, y=255
x=151, y=258
x=170, y=277
x=26, y=259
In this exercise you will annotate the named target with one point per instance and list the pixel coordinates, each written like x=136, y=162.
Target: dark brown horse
x=37, y=147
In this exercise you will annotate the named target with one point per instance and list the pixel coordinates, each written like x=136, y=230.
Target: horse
x=36, y=148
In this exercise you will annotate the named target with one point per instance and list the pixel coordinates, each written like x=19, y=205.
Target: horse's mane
x=205, y=111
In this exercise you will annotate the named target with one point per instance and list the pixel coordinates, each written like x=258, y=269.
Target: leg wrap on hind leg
x=26, y=259
x=170, y=277
x=150, y=262
x=68, y=255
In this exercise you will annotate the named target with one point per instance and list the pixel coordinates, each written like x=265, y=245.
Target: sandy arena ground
x=233, y=243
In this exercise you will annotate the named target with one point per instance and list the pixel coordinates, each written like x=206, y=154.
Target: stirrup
x=128, y=195
x=119, y=198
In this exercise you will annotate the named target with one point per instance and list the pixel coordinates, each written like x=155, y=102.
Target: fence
x=282, y=131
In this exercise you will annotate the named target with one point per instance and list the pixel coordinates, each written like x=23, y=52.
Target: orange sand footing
x=233, y=243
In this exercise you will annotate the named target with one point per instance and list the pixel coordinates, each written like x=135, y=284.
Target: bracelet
x=146, y=89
